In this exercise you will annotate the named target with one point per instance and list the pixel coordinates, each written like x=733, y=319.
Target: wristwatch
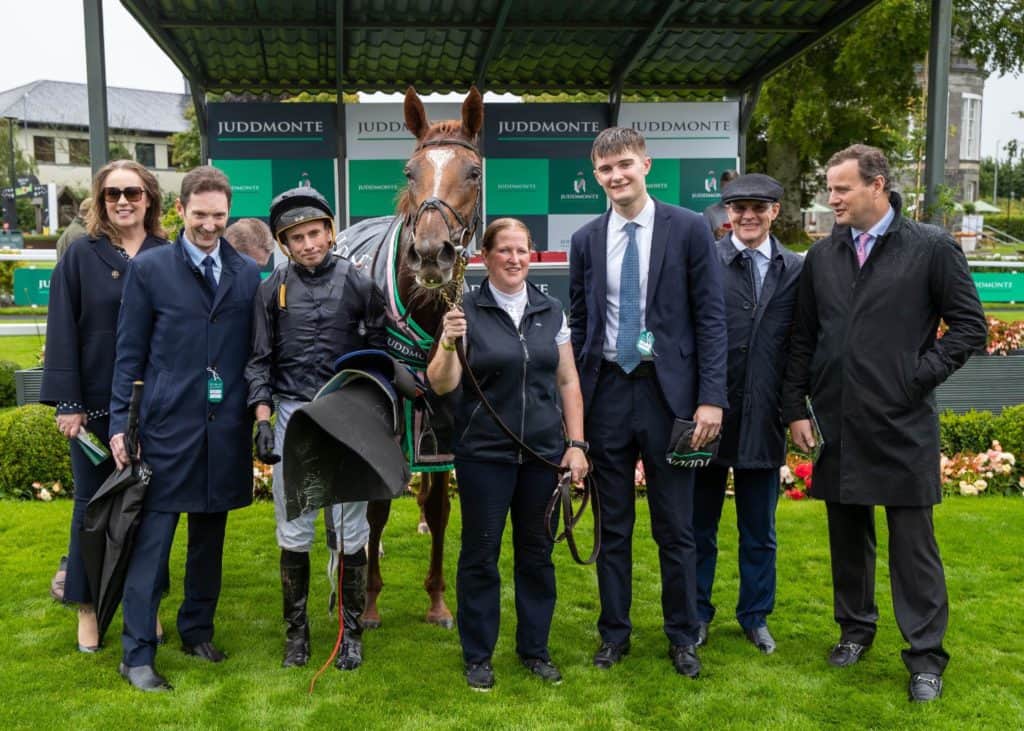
x=578, y=443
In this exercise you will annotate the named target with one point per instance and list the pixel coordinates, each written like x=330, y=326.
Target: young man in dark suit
x=184, y=330
x=648, y=332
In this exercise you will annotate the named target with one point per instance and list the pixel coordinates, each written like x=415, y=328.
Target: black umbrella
x=111, y=520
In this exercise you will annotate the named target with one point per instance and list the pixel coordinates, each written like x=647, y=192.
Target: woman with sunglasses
x=85, y=296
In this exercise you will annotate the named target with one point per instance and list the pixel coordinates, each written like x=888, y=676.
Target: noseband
x=466, y=230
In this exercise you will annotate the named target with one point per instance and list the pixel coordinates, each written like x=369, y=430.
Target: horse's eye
x=475, y=173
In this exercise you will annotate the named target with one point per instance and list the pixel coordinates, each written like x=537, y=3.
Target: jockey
x=309, y=312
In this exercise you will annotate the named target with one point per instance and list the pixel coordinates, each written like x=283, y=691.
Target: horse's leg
x=436, y=508
x=377, y=512
x=421, y=499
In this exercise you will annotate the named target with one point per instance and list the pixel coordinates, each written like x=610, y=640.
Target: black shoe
x=610, y=653
x=925, y=687
x=702, y=634
x=846, y=653
x=543, y=669
x=685, y=660
x=480, y=675
x=762, y=638
x=145, y=678
x=206, y=651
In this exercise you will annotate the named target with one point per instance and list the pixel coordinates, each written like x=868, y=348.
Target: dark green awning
x=666, y=50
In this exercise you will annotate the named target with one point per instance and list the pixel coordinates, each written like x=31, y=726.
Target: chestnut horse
x=437, y=217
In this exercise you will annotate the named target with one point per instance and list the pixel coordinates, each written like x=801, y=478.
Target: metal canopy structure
x=647, y=49
x=668, y=49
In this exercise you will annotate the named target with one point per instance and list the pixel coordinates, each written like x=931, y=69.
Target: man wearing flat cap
x=309, y=312
x=760, y=277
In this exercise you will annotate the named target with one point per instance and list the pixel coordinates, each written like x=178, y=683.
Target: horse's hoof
x=443, y=622
x=423, y=529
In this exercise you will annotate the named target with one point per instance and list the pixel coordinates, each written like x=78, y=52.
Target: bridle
x=466, y=230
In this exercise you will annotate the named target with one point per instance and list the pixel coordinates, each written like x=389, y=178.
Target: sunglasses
x=132, y=194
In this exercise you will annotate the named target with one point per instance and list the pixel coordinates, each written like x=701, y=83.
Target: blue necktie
x=755, y=272
x=626, y=353
x=208, y=273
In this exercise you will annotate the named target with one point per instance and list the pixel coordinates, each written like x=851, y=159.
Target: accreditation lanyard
x=214, y=387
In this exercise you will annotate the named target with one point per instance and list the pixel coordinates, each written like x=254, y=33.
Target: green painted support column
x=96, y=76
x=938, y=108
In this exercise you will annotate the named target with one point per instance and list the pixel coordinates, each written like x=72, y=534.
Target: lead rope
x=341, y=602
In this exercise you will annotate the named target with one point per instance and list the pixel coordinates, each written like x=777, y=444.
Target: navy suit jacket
x=170, y=330
x=685, y=308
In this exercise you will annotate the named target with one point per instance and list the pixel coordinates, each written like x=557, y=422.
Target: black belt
x=644, y=370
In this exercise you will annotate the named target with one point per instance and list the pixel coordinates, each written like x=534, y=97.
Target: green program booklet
x=93, y=446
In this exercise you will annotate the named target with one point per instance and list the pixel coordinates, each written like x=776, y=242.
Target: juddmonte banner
x=537, y=156
x=265, y=149
x=538, y=167
x=378, y=144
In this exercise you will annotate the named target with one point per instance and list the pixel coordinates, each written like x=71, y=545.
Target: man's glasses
x=744, y=207
x=132, y=194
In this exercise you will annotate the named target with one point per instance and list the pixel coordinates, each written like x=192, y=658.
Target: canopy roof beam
x=492, y=46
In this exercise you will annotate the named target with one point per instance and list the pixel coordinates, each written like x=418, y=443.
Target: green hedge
x=8, y=391
x=975, y=430
x=33, y=451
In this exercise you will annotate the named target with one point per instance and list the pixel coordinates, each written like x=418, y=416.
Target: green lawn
x=412, y=677
x=22, y=349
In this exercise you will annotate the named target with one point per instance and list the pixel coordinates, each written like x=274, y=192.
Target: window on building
x=170, y=156
x=43, y=149
x=78, y=152
x=970, y=128
x=145, y=154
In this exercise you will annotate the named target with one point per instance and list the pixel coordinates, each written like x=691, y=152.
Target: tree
x=852, y=88
x=22, y=165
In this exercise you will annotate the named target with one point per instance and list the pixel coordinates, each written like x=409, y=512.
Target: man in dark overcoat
x=864, y=349
x=184, y=329
x=648, y=331
x=761, y=278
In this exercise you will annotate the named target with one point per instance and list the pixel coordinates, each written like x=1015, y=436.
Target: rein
x=562, y=493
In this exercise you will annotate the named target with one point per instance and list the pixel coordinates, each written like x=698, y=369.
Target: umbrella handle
x=132, y=431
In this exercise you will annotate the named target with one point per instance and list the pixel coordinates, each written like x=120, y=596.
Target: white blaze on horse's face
x=439, y=157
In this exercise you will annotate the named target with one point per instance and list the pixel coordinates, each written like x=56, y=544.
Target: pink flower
x=803, y=470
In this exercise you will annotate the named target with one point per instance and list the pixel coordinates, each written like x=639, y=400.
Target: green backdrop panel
x=698, y=181
x=373, y=186
x=663, y=181
x=517, y=187
x=251, y=186
x=318, y=174
x=572, y=187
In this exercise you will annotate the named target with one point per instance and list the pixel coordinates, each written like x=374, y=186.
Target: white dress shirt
x=617, y=240
x=197, y=255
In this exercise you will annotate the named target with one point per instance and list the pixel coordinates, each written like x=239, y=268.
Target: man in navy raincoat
x=184, y=330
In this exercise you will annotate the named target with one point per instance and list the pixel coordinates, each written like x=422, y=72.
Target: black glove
x=264, y=441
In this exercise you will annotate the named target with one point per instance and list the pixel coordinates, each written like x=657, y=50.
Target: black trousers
x=147, y=575
x=488, y=492
x=919, y=597
x=88, y=479
x=629, y=418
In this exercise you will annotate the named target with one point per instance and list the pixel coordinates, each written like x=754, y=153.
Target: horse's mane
x=445, y=129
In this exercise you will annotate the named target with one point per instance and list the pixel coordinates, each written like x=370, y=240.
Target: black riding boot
x=353, y=596
x=295, y=590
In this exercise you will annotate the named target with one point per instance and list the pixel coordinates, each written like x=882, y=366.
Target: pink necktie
x=862, y=248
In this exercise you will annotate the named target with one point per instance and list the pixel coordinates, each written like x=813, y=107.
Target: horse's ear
x=415, y=114
x=473, y=114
